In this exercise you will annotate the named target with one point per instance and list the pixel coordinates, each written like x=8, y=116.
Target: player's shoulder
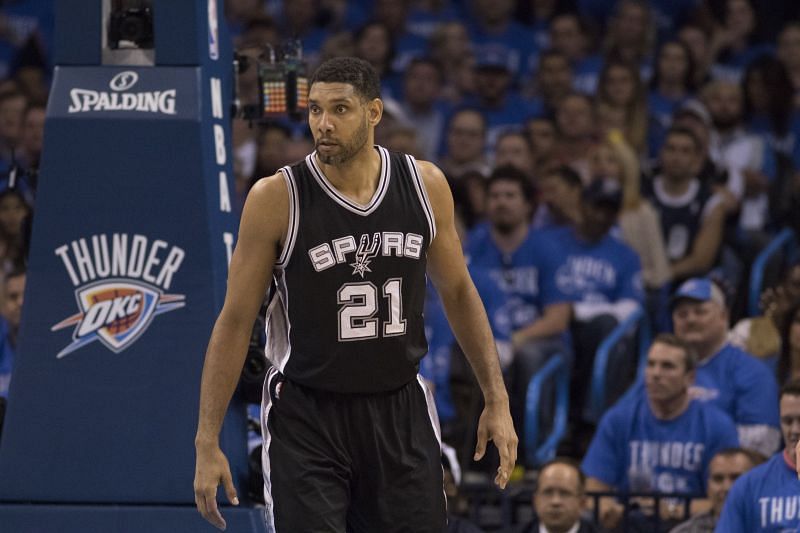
x=272, y=190
x=268, y=203
x=436, y=185
x=431, y=174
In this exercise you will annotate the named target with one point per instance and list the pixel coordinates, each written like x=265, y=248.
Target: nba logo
x=213, y=30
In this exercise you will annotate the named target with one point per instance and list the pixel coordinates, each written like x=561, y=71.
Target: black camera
x=131, y=28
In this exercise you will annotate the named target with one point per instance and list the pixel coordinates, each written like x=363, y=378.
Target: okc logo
x=115, y=312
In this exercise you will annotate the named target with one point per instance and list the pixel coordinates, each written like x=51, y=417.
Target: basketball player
x=343, y=241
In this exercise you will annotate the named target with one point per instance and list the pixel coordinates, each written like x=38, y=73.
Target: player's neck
x=357, y=178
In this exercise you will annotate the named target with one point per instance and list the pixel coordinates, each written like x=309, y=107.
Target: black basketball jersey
x=345, y=313
x=681, y=217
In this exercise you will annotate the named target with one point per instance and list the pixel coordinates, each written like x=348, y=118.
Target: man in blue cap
x=727, y=376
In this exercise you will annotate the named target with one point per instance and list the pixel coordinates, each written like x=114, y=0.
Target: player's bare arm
x=470, y=325
x=263, y=225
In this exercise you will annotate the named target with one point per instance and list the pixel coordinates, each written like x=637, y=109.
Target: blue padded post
x=785, y=240
x=556, y=368
x=600, y=370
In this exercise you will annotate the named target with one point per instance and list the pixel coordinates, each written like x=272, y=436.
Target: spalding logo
x=123, y=81
x=120, y=287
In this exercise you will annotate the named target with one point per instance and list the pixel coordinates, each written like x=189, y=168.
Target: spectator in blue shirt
x=602, y=277
x=659, y=440
x=514, y=256
x=560, y=195
x=728, y=377
x=766, y=499
x=725, y=468
x=736, y=44
x=495, y=96
x=631, y=35
x=570, y=35
x=552, y=80
x=672, y=84
x=698, y=38
x=491, y=23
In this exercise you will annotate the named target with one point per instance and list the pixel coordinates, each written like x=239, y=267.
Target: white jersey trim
x=676, y=201
x=419, y=185
x=339, y=198
x=294, y=218
x=278, y=327
x=434, y=418
x=266, y=406
x=432, y=414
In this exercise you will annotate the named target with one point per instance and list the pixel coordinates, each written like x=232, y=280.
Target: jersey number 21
x=359, y=304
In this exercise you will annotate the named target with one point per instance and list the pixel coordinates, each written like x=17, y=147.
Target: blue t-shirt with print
x=764, y=500
x=525, y=275
x=633, y=451
x=435, y=366
x=602, y=272
x=740, y=385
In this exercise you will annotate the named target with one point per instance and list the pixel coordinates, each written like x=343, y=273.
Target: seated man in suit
x=558, y=500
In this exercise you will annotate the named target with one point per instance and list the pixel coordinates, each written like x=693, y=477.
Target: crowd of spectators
x=605, y=156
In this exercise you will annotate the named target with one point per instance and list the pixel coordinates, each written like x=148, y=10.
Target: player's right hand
x=211, y=470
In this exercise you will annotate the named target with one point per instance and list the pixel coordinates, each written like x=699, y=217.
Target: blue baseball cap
x=699, y=290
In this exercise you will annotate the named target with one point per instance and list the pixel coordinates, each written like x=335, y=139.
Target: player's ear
x=374, y=111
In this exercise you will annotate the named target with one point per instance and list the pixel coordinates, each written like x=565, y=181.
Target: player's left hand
x=495, y=425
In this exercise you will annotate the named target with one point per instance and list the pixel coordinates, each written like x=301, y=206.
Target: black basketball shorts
x=351, y=463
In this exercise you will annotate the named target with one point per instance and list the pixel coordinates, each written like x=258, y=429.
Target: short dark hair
x=426, y=60
x=792, y=388
x=467, y=109
x=566, y=461
x=567, y=175
x=352, y=71
x=755, y=458
x=682, y=130
x=15, y=272
x=670, y=339
x=512, y=174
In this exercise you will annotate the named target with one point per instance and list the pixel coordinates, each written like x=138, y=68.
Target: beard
x=346, y=149
x=726, y=122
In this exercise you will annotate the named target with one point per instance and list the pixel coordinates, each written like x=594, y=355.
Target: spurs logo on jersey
x=366, y=251
x=386, y=243
x=120, y=286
